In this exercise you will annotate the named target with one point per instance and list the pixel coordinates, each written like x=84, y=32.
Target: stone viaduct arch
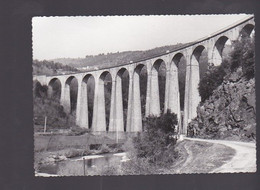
x=213, y=45
x=54, y=88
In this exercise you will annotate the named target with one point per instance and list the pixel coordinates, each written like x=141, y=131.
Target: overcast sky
x=59, y=37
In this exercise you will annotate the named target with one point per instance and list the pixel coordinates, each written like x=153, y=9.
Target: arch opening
x=106, y=80
x=123, y=77
x=54, y=89
x=200, y=58
x=141, y=71
x=247, y=31
x=159, y=68
x=221, y=50
x=39, y=90
x=89, y=81
x=72, y=84
x=180, y=62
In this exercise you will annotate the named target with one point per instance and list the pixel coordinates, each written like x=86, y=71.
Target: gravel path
x=243, y=161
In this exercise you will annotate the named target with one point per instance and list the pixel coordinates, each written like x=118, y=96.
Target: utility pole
x=116, y=134
x=45, y=124
x=84, y=166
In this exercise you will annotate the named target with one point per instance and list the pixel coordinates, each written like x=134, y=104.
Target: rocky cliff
x=229, y=113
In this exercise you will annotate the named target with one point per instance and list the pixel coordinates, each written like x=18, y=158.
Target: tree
x=157, y=141
x=44, y=106
x=210, y=81
x=243, y=56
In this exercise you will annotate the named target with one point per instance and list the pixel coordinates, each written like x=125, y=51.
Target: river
x=92, y=164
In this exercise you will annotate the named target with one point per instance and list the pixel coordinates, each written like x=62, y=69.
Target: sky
x=76, y=37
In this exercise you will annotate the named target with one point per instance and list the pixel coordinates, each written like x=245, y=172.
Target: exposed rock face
x=229, y=113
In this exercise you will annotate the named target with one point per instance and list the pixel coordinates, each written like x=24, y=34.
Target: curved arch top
x=121, y=71
x=69, y=79
x=177, y=57
x=197, y=51
x=87, y=77
x=246, y=30
x=156, y=65
x=52, y=81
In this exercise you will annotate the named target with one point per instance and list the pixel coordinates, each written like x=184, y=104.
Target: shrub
x=51, y=108
x=211, y=80
x=157, y=141
x=243, y=56
x=76, y=131
x=104, y=149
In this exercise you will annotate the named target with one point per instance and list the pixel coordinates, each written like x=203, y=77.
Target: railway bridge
x=213, y=44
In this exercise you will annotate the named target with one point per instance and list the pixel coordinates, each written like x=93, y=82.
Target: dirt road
x=244, y=159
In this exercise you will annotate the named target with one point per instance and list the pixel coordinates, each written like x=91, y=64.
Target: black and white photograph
x=143, y=94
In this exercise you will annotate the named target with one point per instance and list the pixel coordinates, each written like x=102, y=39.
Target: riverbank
x=49, y=149
x=194, y=156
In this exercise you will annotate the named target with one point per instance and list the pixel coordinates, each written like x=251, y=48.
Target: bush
x=104, y=149
x=243, y=56
x=211, y=80
x=51, y=108
x=76, y=131
x=156, y=143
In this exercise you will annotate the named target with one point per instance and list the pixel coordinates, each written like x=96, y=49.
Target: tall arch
x=54, y=88
x=123, y=76
x=192, y=97
x=219, y=45
x=39, y=90
x=140, y=75
x=177, y=73
x=179, y=63
x=119, y=101
x=70, y=94
x=102, y=100
x=137, y=98
x=246, y=30
x=158, y=81
x=86, y=101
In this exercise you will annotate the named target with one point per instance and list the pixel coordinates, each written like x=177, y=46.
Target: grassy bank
x=53, y=148
x=60, y=142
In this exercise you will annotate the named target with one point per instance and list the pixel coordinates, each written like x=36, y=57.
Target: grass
x=193, y=156
x=60, y=142
x=200, y=157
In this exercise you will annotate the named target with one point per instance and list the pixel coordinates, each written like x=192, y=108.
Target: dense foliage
x=241, y=56
x=211, y=80
x=156, y=142
x=43, y=106
x=50, y=68
x=244, y=56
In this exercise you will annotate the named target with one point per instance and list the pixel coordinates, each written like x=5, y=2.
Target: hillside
x=230, y=111
x=51, y=68
x=114, y=59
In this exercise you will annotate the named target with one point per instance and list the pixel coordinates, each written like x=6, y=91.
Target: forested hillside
x=51, y=68
x=113, y=59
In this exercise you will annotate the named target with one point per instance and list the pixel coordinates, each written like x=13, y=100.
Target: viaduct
x=213, y=44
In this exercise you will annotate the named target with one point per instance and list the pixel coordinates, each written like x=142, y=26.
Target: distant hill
x=51, y=68
x=114, y=59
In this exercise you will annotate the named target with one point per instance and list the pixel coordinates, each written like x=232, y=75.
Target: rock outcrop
x=229, y=113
